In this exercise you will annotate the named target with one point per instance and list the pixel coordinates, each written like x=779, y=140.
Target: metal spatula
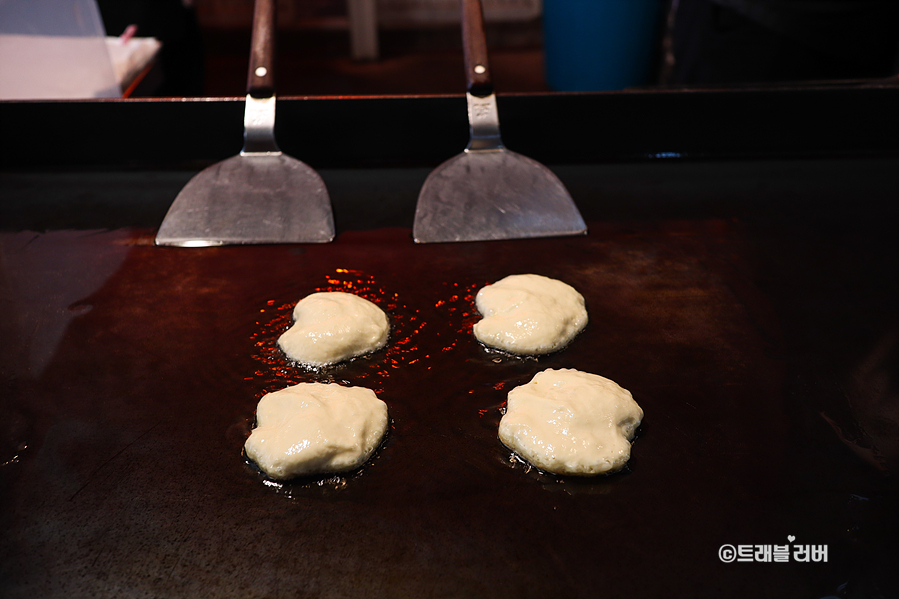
x=260, y=195
x=489, y=192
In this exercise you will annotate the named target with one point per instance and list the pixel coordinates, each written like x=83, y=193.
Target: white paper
x=39, y=67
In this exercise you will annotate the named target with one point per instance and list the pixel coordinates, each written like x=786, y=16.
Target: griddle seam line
x=117, y=454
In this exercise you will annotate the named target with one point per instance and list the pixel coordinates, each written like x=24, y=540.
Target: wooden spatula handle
x=474, y=43
x=261, y=78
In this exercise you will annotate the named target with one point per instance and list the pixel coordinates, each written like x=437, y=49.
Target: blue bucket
x=597, y=45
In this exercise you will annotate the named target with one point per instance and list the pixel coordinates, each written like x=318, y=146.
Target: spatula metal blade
x=250, y=199
x=499, y=194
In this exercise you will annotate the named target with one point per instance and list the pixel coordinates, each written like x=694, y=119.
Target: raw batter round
x=331, y=327
x=571, y=422
x=316, y=428
x=529, y=314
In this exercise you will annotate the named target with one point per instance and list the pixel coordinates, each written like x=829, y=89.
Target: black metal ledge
x=849, y=119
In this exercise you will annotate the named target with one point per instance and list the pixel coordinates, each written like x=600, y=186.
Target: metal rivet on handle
x=261, y=71
x=480, y=69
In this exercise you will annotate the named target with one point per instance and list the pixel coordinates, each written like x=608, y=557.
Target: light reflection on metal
x=259, y=127
x=483, y=119
x=198, y=243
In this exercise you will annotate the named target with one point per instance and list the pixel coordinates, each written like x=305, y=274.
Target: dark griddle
x=748, y=305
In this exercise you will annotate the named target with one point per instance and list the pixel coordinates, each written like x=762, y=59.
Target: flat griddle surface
x=758, y=346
